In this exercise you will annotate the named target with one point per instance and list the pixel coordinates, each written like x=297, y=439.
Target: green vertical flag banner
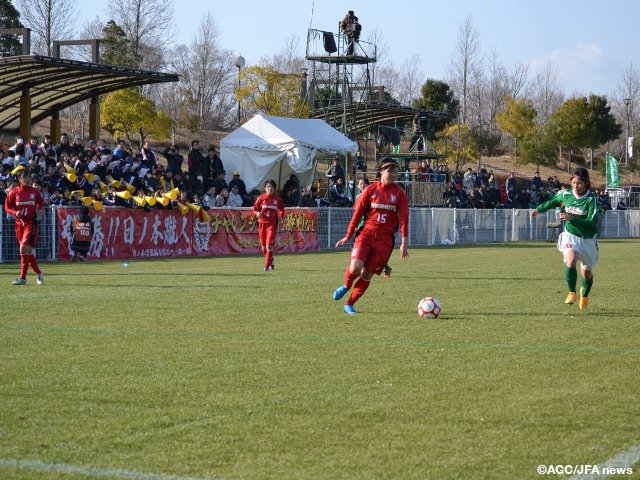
x=613, y=178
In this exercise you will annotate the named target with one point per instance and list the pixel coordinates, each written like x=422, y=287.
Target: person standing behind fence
x=236, y=181
x=81, y=234
x=212, y=165
x=578, y=241
x=268, y=207
x=174, y=159
x=335, y=171
x=24, y=202
x=195, y=159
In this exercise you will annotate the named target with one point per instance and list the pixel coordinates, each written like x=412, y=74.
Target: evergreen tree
x=10, y=45
x=438, y=96
x=116, y=49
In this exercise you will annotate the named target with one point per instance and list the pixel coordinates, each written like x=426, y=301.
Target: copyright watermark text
x=583, y=469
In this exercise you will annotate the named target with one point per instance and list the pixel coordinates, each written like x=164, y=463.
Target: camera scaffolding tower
x=341, y=93
x=340, y=84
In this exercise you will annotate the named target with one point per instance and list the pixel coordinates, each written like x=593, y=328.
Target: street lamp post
x=303, y=83
x=239, y=62
x=627, y=102
x=303, y=89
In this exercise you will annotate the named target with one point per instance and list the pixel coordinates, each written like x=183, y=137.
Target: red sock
x=358, y=290
x=269, y=258
x=24, y=265
x=34, y=263
x=349, y=277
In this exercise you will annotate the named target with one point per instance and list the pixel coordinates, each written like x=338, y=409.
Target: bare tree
x=207, y=76
x=49, y=20
x=479, y=89
x=546, y=93
x=517, y=82
x=498, y=82
x=410, y=81
x=78, y=115
x=387, y=76
x=625, y=105
x=463, y=62
x=288, y=60
x=382, y=62
x=173, y=101
x=628, y=92
x=149, y=25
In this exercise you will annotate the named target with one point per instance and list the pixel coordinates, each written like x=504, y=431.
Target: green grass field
x=213, y=369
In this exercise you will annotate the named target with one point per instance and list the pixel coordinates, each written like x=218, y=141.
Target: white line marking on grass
x=624, y=460
x=91, y=471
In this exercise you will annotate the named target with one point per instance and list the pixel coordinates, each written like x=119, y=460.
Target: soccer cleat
x=339, y=293
x=584, y=301
x=19, y=281
x=571, y=298
x=40, y=279
x=349, y=309
x=387, y=271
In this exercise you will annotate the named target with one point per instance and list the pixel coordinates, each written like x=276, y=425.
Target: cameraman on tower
x=351, y=29
x=420, y=129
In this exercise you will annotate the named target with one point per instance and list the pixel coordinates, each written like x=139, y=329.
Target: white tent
x=268, y=147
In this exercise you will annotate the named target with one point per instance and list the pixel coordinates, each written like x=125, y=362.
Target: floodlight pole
x=239, y=62
x=303, y=83
x=627, y=102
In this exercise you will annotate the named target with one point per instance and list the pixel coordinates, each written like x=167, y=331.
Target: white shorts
x=586, y=249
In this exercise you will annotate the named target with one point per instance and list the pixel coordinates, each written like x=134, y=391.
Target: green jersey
x=583, y=211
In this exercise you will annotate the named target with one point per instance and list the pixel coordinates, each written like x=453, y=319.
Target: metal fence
x=427, y=226
x=630, y=195
x=47, y=237
x=442, y=226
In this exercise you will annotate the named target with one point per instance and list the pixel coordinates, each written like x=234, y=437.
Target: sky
x=589, y=43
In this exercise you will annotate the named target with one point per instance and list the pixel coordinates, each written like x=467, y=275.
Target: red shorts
x=267, y=233
x=373, y=251
x=27, y=233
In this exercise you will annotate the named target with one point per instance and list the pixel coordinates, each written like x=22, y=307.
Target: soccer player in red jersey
x=385, y=206
x=268, y=207
x=24, y=202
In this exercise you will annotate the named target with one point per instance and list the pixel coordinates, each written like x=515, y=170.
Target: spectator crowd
x=470, y=189
x=72, y=173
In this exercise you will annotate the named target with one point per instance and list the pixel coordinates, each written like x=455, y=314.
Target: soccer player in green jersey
x=578, y=240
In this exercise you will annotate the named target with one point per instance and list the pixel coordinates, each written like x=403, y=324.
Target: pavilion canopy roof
x=55, y=83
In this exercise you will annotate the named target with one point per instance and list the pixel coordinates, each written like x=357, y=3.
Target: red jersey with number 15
x=269, y=207
x=384, y=207
x=23, y=197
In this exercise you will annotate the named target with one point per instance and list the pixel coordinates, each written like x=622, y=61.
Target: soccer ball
x=429, y=307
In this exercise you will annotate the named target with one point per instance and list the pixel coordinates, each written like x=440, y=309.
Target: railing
x=442, y=226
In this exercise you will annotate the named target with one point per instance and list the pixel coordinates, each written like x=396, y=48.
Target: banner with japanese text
x=121, y=233
x=613, y=176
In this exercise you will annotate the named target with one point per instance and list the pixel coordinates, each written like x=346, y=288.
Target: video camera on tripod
x=423, y=122
x=354, y=28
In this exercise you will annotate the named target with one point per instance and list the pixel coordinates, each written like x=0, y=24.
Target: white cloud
x=581, y=68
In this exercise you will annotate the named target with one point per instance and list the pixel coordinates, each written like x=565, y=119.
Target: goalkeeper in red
x=385, y=207
x=24, y=202
x=578, y=241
